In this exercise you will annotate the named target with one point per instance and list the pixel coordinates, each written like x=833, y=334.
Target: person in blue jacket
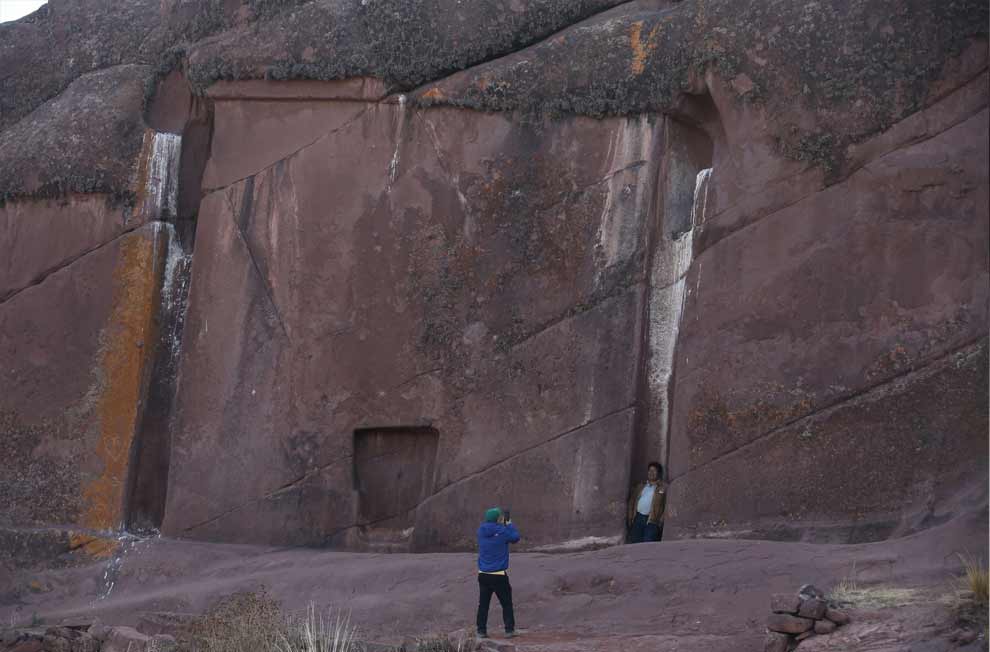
x=494, y=537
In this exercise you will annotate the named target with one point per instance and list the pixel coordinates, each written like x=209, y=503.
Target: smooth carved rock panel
x=411, y=268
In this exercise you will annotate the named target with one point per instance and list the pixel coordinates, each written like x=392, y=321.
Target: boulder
x=67, y=639
x=125, y=639
x=785, y=603
x=776, y=642
x=825, y=627
x=98, y=631
x=837, y=616
x=32, y=645
x=813, y=608
x=804, y=636
x=788, y=624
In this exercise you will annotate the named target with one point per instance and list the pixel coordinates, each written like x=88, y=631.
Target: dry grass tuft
x=849, y=593
x=876, y=597
x=319, y=632
x=975, y=578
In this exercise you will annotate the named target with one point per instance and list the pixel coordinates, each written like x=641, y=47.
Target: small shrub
x=243, y=622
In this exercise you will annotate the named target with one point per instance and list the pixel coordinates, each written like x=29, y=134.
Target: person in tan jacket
x=646, y=507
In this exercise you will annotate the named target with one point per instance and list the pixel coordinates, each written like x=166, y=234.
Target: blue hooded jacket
x=493, y=546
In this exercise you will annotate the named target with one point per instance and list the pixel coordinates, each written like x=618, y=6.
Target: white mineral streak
x=162, y=188
x=668, y=279
x=393, y=165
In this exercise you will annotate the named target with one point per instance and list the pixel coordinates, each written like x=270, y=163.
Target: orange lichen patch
x=641, y=49
x=140, y=183
x=99, y=547
x=128, y=340
x=434, y=94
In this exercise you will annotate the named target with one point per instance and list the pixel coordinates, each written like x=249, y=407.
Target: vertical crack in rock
x=240, y=218
x=400, y=130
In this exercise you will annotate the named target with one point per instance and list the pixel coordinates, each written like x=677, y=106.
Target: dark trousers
x=641, y=531
x=499, y=585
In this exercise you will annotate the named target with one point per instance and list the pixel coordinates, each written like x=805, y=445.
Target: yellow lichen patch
x=99, y=547
x=128, y=340
x=641, y=49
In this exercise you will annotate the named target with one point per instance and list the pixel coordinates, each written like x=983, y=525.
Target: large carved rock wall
x=400, y=267
x=553, y=297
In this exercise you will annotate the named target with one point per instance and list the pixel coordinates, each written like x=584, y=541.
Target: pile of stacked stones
x=796, y=617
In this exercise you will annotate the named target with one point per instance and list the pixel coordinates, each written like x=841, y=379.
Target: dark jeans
x=499, y=585
x=641, y=531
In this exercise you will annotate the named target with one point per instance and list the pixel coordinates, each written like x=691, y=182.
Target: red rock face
x=831, y=343
x=771, y=277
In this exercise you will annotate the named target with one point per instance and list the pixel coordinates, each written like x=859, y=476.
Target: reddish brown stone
x=28, y=646
x=788, y=624
x=812, y=607
x=804, y=636
x=777, y=642
x=837, y=616
x=785, y=603
x=824, y=627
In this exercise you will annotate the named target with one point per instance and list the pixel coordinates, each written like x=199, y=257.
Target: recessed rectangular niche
x=393, y=473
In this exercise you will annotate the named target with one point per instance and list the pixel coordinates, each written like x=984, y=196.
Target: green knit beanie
x=492, y=514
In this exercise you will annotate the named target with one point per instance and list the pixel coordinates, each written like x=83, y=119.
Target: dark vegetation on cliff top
x=855, y=66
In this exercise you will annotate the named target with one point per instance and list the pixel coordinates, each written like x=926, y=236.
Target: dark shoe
x=511, y=634
x=482, y=634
